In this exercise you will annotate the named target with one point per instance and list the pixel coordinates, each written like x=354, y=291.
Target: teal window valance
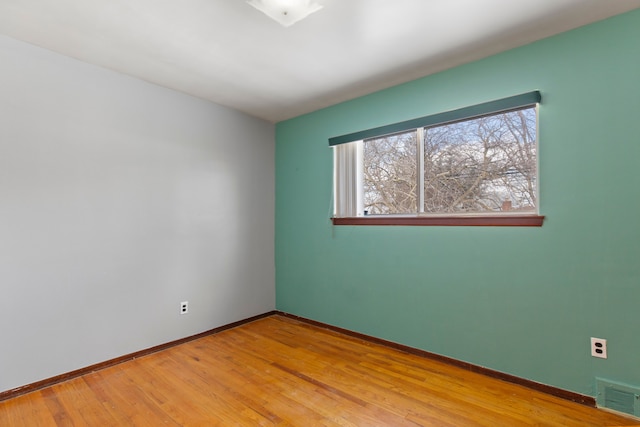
x=478, y=110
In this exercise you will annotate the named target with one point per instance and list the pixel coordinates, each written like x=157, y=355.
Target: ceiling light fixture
x=286, y=12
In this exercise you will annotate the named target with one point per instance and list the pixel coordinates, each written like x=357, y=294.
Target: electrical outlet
x=599, y=347
x=184, y=307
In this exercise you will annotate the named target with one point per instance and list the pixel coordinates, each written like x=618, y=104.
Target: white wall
x=118, y=200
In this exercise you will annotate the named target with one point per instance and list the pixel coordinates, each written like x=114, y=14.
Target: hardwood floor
x=279, y=371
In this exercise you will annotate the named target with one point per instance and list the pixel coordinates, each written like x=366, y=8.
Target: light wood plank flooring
x=279, y=371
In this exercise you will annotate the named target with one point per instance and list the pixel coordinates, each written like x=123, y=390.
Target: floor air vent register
x=618, y=397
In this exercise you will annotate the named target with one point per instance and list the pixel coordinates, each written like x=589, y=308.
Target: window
x=473, y=166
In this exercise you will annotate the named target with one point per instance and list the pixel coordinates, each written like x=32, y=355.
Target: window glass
x=481, y=165
x=390, y=174
x=487, y=164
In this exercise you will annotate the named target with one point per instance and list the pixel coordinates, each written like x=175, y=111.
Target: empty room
x=319, y=212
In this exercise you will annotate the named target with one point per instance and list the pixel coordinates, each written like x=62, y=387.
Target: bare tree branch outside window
x=390, y=174
x=483, y=165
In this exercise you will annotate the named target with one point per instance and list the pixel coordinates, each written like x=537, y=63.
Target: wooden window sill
x=475, y=221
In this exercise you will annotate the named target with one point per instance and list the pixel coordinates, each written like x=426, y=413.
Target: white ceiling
x=230, y=53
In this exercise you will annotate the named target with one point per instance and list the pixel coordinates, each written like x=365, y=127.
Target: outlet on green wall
x=524, y=301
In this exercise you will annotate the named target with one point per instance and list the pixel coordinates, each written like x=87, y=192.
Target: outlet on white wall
x=599, y=347
x=184, y=307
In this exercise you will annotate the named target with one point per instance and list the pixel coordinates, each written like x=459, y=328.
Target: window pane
x=482, y=165
x=390, y=174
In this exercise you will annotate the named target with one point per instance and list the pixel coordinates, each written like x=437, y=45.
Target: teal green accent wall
x=524, y=301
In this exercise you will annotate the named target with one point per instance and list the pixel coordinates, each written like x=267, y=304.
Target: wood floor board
x=107, y=396
x=280, y=371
